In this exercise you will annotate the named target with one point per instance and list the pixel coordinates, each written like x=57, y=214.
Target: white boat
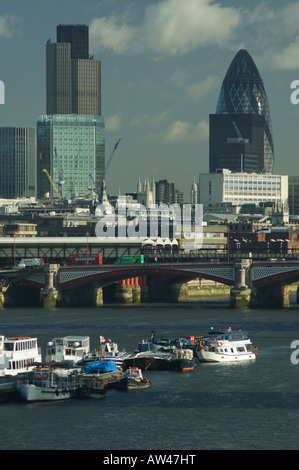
x=18, y=355
x=49, y=384
x=226, y=346
x=68, y=348
x=109, y=351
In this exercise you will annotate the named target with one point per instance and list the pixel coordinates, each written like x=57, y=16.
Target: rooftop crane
x=52, y=184
x=240, y=138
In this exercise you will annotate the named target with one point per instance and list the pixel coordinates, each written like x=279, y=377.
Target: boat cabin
x=18, y=354
x=68, y=348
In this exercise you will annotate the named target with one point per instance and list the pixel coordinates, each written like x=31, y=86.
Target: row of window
x=23, y=364
x=20, y=346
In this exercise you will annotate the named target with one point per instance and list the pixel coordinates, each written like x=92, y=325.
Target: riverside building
x=224, y=186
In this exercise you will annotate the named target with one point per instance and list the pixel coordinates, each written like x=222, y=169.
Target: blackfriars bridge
x=253, y=283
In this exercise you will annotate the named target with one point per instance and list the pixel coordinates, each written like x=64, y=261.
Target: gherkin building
x=241, y=130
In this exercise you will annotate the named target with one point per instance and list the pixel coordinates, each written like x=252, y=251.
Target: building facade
x=71, y=148
x=242, y=188
x=241, y=130
x=17, y=162
x=294, y=195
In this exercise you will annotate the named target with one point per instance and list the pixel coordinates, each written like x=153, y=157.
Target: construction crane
x=60, y=182
x=240, y=138
x=52, y=184
x=112, y=155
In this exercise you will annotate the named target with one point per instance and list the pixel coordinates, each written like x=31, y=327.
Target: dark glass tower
x=241, y=130
x=73, y=78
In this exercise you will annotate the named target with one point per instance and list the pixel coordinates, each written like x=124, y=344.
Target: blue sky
x=163, y=62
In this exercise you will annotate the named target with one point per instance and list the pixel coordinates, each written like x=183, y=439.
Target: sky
x=163, y=62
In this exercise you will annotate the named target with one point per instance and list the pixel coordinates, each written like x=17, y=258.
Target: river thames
x=252, y=405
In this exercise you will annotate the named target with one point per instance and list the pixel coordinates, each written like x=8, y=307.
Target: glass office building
x=241, y=136
x=71, y=148
x=17, y=162
x=73, y=77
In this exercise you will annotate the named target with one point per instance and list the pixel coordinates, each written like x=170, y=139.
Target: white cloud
x=177, y=27
x=146, y=120
x=180, y=132
x=8, y=25
x=113, y=123
x=195, y=91
x=288, y=57
x=169, y=27
x=106, y=33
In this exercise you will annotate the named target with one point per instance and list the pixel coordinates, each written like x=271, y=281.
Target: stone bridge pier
x=240, y=294
x=245, y=294
x=49, y=294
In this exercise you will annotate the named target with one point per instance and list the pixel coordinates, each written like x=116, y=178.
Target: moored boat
x=133, y=380
x=18, y=357
x=49, y=384
x=150, y=356
x=226, y=346
x=68, y=348
x=109, y=351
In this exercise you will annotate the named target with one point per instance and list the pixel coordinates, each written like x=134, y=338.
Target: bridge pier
x=168, y=293
x=49, y=294
x=270, y=296
x=240, y=294
x=128, y=291
x=2, y=296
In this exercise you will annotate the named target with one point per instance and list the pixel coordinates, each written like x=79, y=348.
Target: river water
x=236, y=406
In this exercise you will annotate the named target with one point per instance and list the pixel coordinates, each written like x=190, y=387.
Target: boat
x=106, y=372
x=89, y=387
x=49, y=384
x=151, y=356
x=226, y=346
x=109, y=351
x=133, y=380
x=68, y=348
x=18, y=357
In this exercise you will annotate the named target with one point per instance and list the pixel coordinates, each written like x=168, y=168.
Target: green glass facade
x=71, y=148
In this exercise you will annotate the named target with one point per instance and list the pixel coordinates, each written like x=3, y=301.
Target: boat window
x=240, y=349
x=8, y=346
x=249, y=347
x=232, y=350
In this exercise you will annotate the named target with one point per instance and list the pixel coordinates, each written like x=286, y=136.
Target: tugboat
x=133, y=380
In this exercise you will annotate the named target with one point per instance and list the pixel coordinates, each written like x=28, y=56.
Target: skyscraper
x=71, y=135
x=73, y=78
x=241, y=130
x=17, y=162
